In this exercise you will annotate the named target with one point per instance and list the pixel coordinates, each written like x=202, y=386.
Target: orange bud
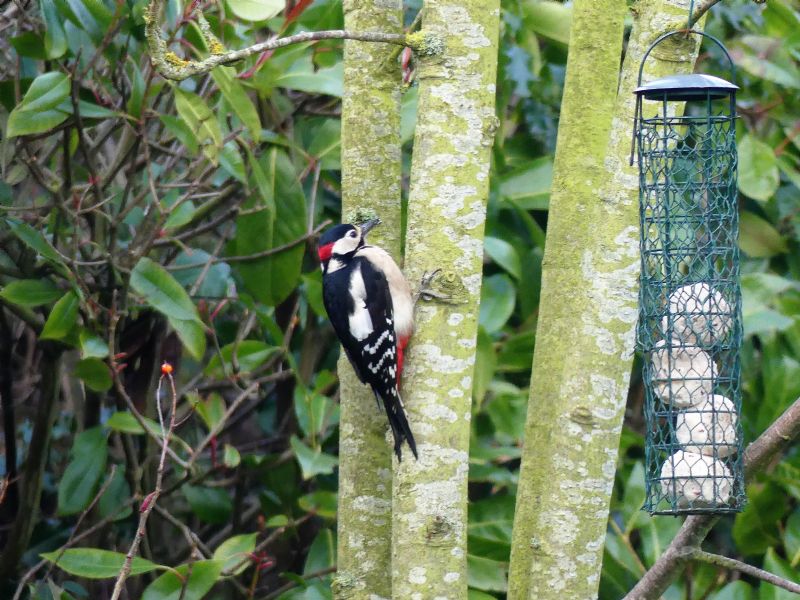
x=166, y=368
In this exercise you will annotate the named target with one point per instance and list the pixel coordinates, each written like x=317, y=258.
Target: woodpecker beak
x=367, y=227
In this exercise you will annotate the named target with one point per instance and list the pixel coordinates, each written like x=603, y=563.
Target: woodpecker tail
x=399, y=424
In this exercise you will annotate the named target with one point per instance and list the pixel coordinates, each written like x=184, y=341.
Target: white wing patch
x=360, y=322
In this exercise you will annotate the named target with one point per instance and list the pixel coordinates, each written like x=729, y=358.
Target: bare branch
x=703, y=7
x=150, y=500
x=737, y=565
x=171, y=66
x=694, y=530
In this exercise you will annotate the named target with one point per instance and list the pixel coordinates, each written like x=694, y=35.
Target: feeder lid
x=686, y=87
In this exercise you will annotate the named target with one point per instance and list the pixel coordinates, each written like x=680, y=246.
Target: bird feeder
x=689, y=328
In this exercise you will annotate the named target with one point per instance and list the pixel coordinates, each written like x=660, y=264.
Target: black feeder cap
x=686, y=87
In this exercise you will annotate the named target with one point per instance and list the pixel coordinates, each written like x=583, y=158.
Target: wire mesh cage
x=690, y=328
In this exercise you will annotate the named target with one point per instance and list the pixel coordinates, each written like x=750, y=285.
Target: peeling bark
x=446, y=216
x=588, y=310
x=371, y=173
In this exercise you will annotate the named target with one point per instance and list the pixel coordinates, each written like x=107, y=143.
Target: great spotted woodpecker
x=371, y=308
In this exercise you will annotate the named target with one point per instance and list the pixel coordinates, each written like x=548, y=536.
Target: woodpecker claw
x=426, y=292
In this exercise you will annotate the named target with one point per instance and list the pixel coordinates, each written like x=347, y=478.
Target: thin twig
x=704, y=6
x=736, y=565
x=171, y=66
x=85, y=512
x=256, y=255
x=292, y=584
x=71, y=542
x=221, y=423
x=150, y=500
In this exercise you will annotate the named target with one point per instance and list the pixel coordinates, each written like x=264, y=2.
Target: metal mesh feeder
x=690, y=325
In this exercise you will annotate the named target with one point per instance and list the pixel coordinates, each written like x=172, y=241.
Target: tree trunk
x=371, y=173
x=446, y=214
x=588, y=310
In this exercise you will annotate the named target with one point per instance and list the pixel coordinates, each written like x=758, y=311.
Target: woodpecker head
x=340, y=242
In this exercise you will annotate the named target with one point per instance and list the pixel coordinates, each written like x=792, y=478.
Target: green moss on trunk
x=588, y=310
x=446, y=214
x=370, y=183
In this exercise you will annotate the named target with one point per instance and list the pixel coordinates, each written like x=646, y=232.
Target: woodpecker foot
x=439, y=292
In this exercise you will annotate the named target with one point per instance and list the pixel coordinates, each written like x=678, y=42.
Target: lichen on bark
x=447, y=205
x=588, y=310
x=371, y=174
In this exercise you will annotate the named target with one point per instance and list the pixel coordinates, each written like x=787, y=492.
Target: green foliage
x=93, y=563
x=164, y=222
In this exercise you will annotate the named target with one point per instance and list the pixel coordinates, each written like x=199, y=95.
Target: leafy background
x=177, y=216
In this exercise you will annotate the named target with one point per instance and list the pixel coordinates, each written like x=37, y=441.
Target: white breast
x=402, y=300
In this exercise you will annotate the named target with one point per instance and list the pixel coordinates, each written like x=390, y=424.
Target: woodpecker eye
x=352, y=234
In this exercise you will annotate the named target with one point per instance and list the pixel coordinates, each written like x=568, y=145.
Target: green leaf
x=37, y=110
x=162, y=292
x=93, y=563
x=212, y=505
x=311, y=409
x=36, y=241
x=193, y=336
x=312, y=462
x=327, y=144
x=320, y=502
x=47, y=91
x=758, y=238
x=94, y=373
x=487, y=575
x=791, y=537
x=211, y=410
x=756, y=528
x=92, y=346
x=231, y=457
x=758, y=170
x=303, y=78
x=529, y=188
x=256, y=10
x=322, y=554
x=549, y=19
x=504, y=254
x=62, y=318
x=498, y=297
x=182, y=132
x=268, y=224
x=735, y=590
x=231, y=161
x=233, y=551
x=187, y=582
x=125, y=422
x=82, y=475
x=201, y=120
x=31, y=292
x=250, y=355
x=55, y=41
x=29, y=44
x=775, y=564
x=236, y=96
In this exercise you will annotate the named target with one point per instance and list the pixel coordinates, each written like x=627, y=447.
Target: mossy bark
x=588, y=310
x=446, y=215
x=371, y=174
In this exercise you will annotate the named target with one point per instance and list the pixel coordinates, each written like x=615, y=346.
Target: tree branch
x=736, y=565
x=703, y=7
x=694, y=530
x=171, y=66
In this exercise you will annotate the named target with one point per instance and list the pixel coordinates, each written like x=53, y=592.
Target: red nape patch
x=325, y=252
x=401, y=345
